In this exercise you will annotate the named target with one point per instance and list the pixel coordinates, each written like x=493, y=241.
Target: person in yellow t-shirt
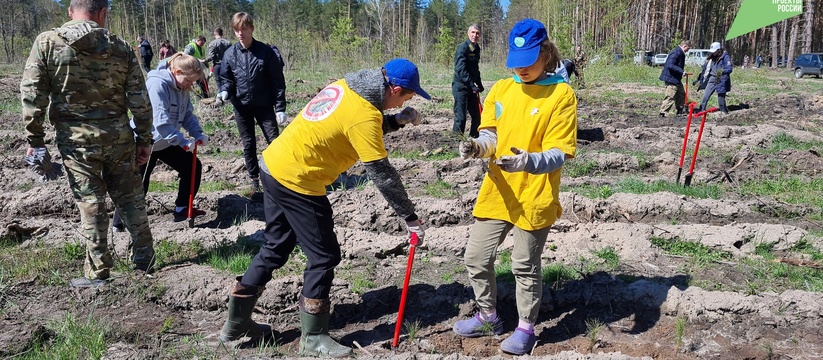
x=528, y=129
x=340, y=125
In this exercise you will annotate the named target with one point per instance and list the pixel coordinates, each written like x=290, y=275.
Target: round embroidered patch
x=324, y=103
x=519, y=41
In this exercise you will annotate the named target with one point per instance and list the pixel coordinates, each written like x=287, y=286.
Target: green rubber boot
x=314, y=327
x=241, y=304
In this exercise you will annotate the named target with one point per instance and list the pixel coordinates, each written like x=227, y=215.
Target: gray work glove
x=469, y=149
x=417, y=228
x=409, y=116
x=514, y=163
x=282, y=119
x=40, y=163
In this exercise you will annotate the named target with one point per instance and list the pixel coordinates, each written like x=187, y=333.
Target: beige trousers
x=481, y=252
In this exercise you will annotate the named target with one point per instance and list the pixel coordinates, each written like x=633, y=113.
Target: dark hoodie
x=88, y=80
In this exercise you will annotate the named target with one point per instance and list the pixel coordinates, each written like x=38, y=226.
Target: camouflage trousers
x=93, y=172
x=581, y=80
x=675, y=97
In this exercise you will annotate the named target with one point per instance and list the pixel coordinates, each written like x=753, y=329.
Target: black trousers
x=216, y=76
x=245, y=117
x=291, y=219
x=179, y=160
x=147, y=63
x=466, y=100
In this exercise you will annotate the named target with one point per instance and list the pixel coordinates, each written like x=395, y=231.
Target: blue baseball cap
x=403, y=73
x=524, y=43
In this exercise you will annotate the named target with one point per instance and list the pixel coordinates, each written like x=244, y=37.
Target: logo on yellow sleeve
x=324, y=103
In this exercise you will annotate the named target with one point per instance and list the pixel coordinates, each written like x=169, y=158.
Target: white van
x=697, y=57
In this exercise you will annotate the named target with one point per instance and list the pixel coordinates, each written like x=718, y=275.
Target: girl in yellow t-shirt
x=528, y=129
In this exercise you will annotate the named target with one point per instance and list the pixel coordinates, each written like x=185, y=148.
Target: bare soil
x=640, y=303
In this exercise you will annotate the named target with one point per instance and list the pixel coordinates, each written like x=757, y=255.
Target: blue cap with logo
x=524, y=43
x=403, y=73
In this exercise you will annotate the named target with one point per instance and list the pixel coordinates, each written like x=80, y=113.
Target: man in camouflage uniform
x=88, y=79
x=580, y=60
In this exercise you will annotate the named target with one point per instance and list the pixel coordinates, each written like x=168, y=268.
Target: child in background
x=528, y=129
x=169, y=88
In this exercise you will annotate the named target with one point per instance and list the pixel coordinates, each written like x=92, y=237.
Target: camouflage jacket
x=88, y=79
x=580, y=59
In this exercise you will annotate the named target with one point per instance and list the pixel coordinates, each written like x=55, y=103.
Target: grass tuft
x=73, y=339
x=440, y=189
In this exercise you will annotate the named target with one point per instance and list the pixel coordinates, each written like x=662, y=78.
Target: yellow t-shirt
x=536, y=118
x=330, y=134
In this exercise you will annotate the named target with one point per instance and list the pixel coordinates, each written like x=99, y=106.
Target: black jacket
x=467, y=66
x=253, y=76
x=673, y=70
x=145, y=49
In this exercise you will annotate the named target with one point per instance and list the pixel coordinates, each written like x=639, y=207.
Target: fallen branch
x=799, y=262
x=361, y=348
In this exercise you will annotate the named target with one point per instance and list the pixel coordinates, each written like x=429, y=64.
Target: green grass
x=169, y=252
x=360, y=283
x=232, y=257
x=74, y=339
x=557, y=272
x=11, y=106
x=205, y=187
x=157, y=186
x=638, y=186
x=211, y=126
x=793, y=190
x=49, y=265
x=782, y=141
x=440, y=189
x=700, y=254
x=576, y=168
x=552, y=274
x=609, y=256
x=503, y=267
x=770, y=275
x=214, y=186
x=424, y=155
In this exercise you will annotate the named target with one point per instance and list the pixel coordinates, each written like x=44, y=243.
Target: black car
x=808, y=64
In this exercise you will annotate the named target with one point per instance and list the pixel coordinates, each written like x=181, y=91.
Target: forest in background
x=359, y=32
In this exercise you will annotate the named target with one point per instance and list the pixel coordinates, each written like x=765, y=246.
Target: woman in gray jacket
x=169, y=88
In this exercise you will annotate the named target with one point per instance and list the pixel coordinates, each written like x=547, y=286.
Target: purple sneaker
x=520, y=342
x=476, y=326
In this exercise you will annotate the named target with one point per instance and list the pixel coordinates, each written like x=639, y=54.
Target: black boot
x=241, y=305
x=314, y=330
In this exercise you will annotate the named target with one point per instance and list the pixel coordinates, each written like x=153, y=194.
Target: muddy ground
x=641, y=302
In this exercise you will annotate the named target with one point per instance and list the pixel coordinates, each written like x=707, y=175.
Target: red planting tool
x=191, y=189
x=688, y=179
x=414, y=242
x=685, y=141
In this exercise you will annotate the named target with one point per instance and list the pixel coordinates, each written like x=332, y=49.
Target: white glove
x=188, y=145
x=513, y=163
x=282, y=119
x=409, y=116
x=417, y=228
x=469, y=149
x=223, y=96
x=202, y=140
